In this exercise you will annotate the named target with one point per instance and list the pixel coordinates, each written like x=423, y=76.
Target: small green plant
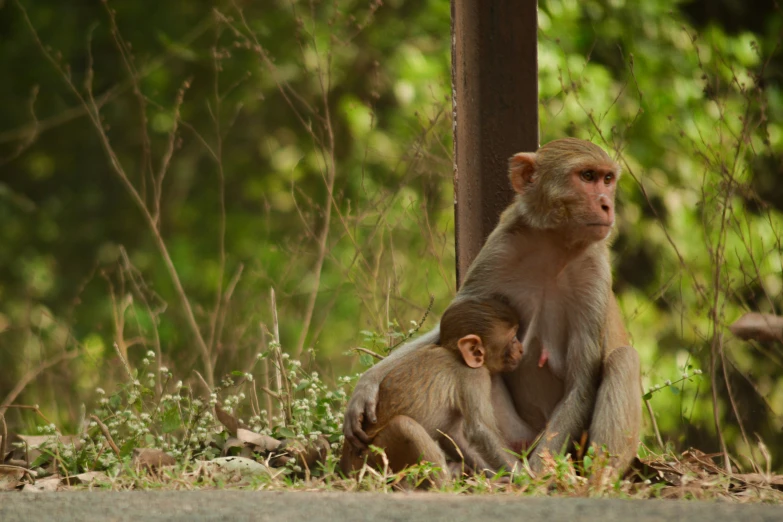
x=688, y=374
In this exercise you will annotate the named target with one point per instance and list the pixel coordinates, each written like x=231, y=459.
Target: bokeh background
x=165, y=165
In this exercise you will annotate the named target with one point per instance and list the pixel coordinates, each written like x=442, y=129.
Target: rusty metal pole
x=494, y=81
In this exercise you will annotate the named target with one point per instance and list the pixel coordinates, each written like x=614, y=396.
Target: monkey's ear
x=472, y=350
x=521, y=168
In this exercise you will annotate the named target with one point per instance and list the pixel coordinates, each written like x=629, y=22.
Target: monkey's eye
x=608, y=179
x=587, y=175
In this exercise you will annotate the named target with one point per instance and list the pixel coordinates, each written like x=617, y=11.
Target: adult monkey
x=549, y=255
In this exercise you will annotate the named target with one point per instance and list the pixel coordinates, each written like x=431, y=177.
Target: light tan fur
x=549, y=255
x=433, y=398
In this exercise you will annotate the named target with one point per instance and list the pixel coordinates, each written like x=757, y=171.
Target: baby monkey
x=443, y=392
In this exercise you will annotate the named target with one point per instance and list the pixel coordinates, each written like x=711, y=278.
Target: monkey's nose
x=607, y=208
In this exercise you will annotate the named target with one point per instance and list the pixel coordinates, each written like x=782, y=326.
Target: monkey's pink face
x=597, y=184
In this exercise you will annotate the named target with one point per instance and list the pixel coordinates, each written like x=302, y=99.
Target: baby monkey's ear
x=472, y=350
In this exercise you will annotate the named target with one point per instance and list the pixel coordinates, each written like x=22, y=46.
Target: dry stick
x=124, y=362
x=322, y=240
x=270, y=393
x=716, y=345
x=106, y=434
x=389, y=338
x=118, y=318
x=31, y=375
x=227, y=295
x=657, y=432
x=265, y=384
x=254, y=406
x=733, y=403
x=221, y=199
x=126, y=265
x=133, y=75
x=276, y=338
x=3, y=439
x=157, y=185
x=93, y=112
x=369, y=352
x=283, y=393
x=203, y=382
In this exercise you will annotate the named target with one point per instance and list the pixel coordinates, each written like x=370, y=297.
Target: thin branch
x=368, y=352
x=32, y=375
x=107, y=434
x=654, y=422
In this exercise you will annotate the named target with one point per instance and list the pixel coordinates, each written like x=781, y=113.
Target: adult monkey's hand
x=361, y=408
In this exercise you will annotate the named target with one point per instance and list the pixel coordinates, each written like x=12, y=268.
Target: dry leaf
x=36, y=441
x=760, y=327
x=87, y=478
x=231, y=442
x=151, y=459
x=758, y=479
x=48, y=484
x=226, y=419
x=30, y=450
x=307, y=456
x=262, y=443
x=10, y=477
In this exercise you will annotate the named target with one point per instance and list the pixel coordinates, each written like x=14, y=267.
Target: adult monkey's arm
x=361, y=406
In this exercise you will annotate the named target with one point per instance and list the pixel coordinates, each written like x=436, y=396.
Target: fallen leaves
x=695, y=474
x=759, y=327
x=11, y=477
x=244, y=456
x=151, y=459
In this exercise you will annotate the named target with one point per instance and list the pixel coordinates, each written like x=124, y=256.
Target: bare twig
x=271, y=393
x=281, y=379
x=203, y=381
x=216, y=114
x=654, y=422
x=3, y=439
x=107, y=434
x=368, y=352
x=227, y=295
x=32, y=375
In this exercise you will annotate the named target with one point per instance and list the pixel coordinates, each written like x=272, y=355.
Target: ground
x=243, y=505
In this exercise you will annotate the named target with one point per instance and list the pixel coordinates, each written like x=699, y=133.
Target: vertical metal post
x=495, y=91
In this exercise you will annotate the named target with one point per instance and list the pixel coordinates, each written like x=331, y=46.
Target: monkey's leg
x=617, y=416
x=407, y=443
x=461, y=451
x=353, y=458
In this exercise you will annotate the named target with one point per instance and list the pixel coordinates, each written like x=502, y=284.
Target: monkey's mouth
x=511, y=362
x=607, y=225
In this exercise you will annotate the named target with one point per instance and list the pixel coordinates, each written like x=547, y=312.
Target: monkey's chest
x=545, y=340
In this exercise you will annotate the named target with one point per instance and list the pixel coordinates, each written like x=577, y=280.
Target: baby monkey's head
x=483, y=331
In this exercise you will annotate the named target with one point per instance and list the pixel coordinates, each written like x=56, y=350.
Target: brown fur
x=549, y=255
x=431, y=397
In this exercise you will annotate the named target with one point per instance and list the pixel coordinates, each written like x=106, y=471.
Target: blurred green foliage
x=280, y=99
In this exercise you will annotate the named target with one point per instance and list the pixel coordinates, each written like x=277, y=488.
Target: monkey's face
x=508, y=350
x=593, y=187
